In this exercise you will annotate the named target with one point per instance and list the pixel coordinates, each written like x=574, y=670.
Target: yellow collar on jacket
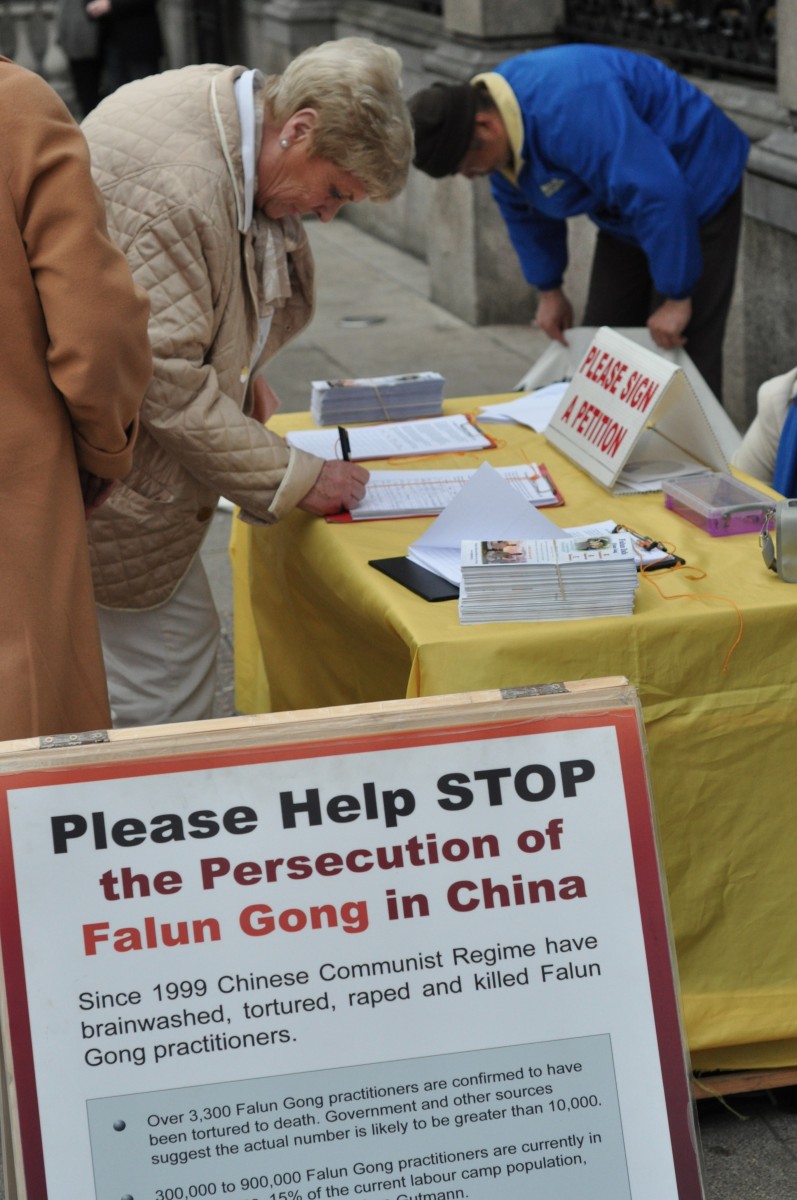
x=506, y=102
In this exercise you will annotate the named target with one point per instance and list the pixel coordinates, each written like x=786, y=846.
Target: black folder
x=420, y=581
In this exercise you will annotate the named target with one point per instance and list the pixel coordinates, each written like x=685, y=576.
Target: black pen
x=345, y=445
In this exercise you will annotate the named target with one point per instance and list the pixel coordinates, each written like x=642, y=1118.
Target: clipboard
x=417, y=579
x=344, y=517
x=394, y=439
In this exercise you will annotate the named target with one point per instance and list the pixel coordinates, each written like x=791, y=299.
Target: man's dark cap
x=443, y=116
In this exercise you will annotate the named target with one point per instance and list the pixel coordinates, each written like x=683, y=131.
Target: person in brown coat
x=75, y=365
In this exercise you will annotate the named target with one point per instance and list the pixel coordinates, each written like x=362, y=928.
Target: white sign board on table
x=417, y=949
x=631, y=412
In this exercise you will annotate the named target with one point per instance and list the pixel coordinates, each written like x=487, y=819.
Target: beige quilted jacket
x=166, y=155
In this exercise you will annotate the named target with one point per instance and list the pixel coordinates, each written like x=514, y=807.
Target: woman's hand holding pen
x=341, y=485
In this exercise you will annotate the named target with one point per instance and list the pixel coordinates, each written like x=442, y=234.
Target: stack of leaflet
x=386, y=398
x=547, y=580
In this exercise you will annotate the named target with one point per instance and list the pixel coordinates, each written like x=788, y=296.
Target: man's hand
x=264, y=403
x=340, y=485
x=98, y=8
x=668, y=323
x=554, y=315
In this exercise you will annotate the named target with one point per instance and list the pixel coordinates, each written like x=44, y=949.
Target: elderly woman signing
x=205, y=173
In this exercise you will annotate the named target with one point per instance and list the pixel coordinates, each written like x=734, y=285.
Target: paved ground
x=750, y=1143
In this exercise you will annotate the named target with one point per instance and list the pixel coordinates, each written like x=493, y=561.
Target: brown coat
x=75, y=364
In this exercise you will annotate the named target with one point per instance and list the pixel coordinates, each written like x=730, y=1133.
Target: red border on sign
x=652, y=905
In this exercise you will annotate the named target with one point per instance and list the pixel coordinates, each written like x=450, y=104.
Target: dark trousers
x=621, y=292
x=86, y=76
x=122, y=67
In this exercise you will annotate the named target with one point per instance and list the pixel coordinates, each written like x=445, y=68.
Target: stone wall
x=769, y=265
x=454, y=225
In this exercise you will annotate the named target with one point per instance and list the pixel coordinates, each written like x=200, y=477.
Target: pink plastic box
x=717, y=503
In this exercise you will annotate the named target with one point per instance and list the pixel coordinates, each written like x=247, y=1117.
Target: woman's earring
x=284, y=143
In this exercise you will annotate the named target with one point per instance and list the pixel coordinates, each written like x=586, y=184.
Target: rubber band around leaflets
x=382, y=404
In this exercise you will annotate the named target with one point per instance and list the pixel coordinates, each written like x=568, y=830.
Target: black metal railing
x=718, y=37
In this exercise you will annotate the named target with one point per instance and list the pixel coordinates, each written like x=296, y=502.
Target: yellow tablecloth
x=721, y=741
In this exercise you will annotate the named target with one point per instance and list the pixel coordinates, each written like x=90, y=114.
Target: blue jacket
x=620, y=137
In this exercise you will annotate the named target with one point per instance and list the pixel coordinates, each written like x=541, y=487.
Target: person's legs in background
x=132, y=44
x=86, y=76
x=121, y=68
x=711, y=299
x=621, y=292
x=161, y=662
x=620, y=288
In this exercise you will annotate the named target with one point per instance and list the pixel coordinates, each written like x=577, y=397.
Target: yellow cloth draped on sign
x=332, y=630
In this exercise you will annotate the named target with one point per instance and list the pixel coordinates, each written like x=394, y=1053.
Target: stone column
x=496, y=19
x=275, y=31
x=28, y=36
x=787, y=55
x=770, y=237
x=177, y=24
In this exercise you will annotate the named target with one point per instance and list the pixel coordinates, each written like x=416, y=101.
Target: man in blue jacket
x=653, y=162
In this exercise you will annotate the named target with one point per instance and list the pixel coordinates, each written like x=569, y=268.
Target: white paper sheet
x=422, y=493
x=433, y=435
x=534, y=410
x=488, y=506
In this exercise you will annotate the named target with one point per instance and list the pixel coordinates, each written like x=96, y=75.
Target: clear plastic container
x=717, y=503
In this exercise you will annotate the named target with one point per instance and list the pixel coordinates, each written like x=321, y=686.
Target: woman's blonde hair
x=363, y=125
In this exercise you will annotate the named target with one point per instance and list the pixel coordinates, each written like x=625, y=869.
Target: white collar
x=245, y=101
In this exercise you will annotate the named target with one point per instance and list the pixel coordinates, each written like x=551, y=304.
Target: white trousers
x=161, y=662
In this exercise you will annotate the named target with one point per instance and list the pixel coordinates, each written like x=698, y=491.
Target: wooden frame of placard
x=603, y=713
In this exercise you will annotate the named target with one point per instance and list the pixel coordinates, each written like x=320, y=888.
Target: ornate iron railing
x=719, y=37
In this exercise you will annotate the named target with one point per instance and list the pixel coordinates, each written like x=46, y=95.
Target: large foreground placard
x=416, y=960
